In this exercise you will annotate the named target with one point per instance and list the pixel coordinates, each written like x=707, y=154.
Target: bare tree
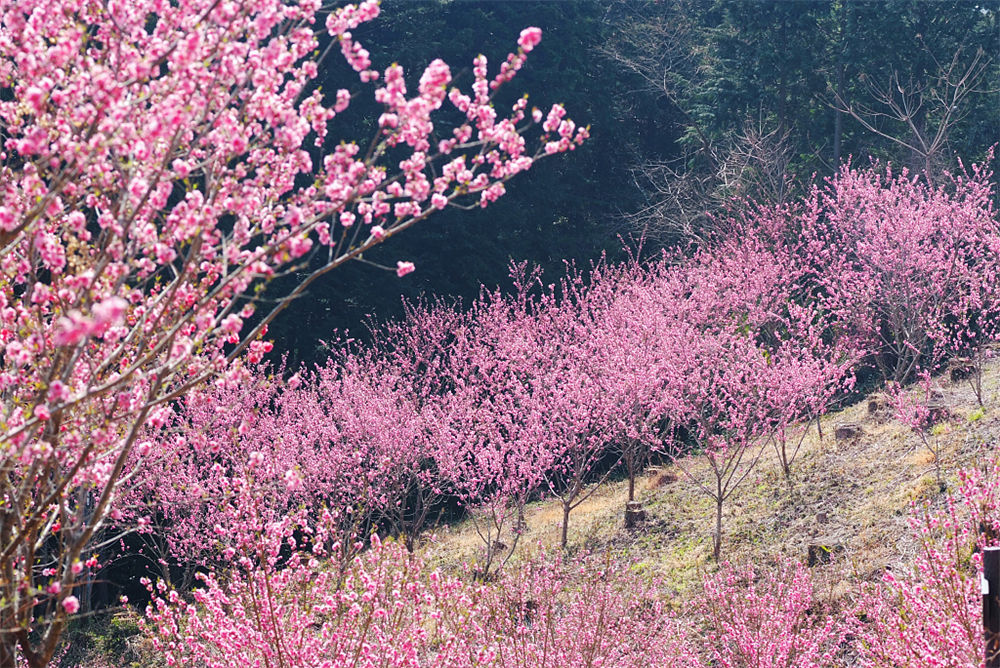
x=920, y=115
x=683, y=194
x=667, y=53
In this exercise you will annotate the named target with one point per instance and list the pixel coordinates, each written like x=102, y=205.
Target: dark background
x=777, y=63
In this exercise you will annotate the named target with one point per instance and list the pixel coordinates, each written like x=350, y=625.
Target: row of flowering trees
x=551, y=389
x=279, y=603
x=544, y=392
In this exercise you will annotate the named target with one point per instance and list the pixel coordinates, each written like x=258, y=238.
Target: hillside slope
x=848, y=502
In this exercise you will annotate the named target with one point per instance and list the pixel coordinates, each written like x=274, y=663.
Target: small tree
x=908, y=268
x=499, y=452
x=931, y=612
x=722, y=402
x=572, y=393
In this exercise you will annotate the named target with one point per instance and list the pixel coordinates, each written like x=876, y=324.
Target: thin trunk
x=977, y=377
x=838, y=119
x=565, y=523
x=719, y=500
x=920, y=160
x=717, y=551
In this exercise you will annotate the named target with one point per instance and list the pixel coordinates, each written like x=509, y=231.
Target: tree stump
x=960, y=369
x=634, y=514
x=662, y=478
x=822, y=552
x=878, y=404
x=937, y=411
x=847, y=431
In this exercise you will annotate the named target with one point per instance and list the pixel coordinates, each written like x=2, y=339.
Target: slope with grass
x=845, y=509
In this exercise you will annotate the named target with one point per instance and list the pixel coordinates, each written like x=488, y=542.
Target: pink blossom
x=58, y=391
x=232, y=324
x=35, y=97
x=109, y=311
x=403, y=268
x=7, y=220
x=529, y=38
x=293, y=480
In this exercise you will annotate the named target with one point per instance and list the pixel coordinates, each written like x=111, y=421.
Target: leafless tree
x=667, y=54
x=919, y=115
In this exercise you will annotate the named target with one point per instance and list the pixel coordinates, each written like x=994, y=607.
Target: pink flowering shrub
x=909, y=268
x=930, y=614
x=917, y=413
x=281, y=605
x=769, y=619
x=554, y=612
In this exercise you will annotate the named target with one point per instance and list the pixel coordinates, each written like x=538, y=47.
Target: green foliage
x=111, y=637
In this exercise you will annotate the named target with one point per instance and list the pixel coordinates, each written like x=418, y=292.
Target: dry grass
x=851, y=495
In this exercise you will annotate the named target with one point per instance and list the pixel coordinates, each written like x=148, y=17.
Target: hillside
x=850, y=499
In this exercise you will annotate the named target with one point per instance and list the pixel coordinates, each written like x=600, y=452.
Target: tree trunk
x=838, y=119
x=8, y=650
x=565, y=524
x=717, y=544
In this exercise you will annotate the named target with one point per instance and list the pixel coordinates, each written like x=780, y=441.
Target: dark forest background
x=694, y=105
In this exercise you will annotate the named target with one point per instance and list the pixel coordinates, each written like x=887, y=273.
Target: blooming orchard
x=543, y=391
x=163, y=162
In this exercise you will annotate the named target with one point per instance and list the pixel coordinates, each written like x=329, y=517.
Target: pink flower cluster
x=159, y=170
x=388, y=609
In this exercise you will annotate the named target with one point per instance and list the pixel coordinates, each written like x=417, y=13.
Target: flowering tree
x=161, y=163
x=745, y=360
x=630, y=335
x=297, y=443
x=573, y=393
x=770, y=619
x=493, y=448
x=724, y=405
x=397, y=483
x=909, y=268
x=931, y=614
x=292, y=612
